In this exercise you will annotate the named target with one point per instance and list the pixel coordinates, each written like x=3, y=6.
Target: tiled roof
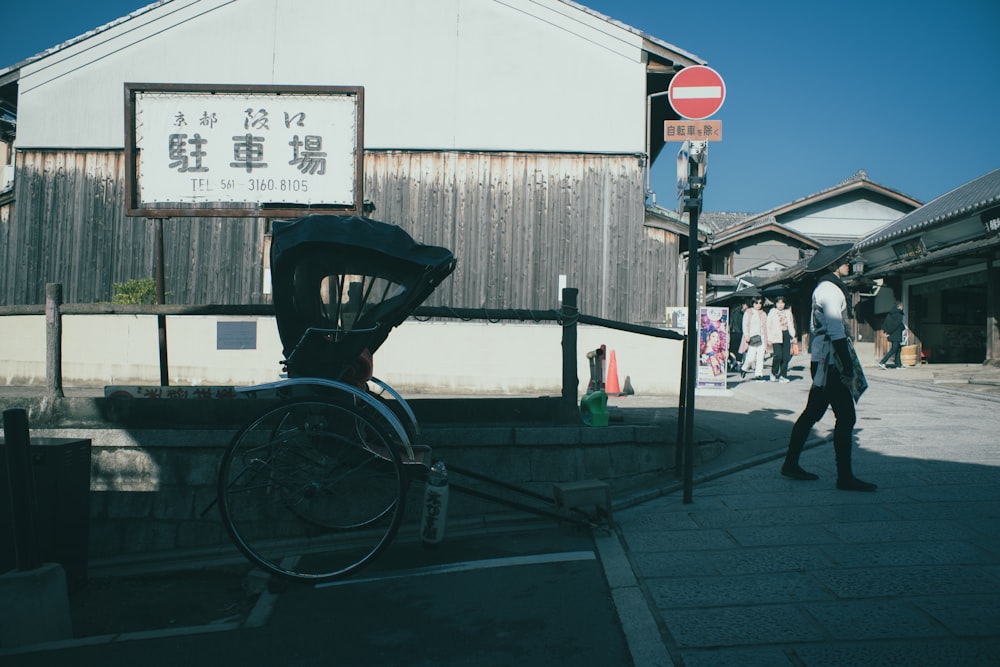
x=747, y=224
x=681, y=223
x=965, y=200
x=721, y=221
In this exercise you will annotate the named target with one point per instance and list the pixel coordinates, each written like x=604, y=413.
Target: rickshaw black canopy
x=341, y=283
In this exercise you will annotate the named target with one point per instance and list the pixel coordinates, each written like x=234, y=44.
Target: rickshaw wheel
x=313, y=489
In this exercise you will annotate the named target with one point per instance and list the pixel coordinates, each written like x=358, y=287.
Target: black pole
x=568, y=411
x=691, y=358
x=161, y=294
x=692, y=204
x=28, y=555
x=53, y=340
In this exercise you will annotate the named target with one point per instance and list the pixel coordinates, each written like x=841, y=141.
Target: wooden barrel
x=908, y=355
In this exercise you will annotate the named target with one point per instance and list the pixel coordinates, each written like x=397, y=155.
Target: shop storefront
x=943, y=260
x=947, y=313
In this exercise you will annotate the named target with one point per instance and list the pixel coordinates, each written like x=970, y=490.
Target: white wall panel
x=857, y=218
x=467, y=74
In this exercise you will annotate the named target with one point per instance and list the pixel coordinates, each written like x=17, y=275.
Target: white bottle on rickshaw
x=432, y=525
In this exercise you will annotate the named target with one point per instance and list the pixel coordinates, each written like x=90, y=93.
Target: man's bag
x=858, y=383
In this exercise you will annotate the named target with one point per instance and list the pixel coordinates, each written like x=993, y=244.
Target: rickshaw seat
x=340, y=284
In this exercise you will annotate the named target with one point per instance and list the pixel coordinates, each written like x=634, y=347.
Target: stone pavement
x=761, y=570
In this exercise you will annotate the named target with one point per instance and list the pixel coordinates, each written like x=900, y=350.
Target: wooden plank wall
x=516, y=222
x=69, y=226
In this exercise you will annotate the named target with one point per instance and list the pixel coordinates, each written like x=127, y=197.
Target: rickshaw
x=315, y=487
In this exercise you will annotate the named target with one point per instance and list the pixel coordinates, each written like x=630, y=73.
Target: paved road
x=526, y=598
x=757, y=570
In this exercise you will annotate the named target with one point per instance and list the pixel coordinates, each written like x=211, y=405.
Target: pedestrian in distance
x=781, y=333
x=893, y=328
x=754, y=341
x=736, y=336
x=832, y=367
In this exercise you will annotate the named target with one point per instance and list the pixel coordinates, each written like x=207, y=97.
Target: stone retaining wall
x=153, y=485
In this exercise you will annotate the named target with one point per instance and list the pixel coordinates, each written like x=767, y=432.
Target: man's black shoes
x=854, y=484
x=795, y=472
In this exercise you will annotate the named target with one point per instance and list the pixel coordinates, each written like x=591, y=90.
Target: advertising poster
x=677, y=318
x=713, y=347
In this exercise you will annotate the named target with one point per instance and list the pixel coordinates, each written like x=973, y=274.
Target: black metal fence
x=567, y=316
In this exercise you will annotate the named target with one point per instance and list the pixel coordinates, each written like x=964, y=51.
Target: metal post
x=570, y=382
x=53, y=340
x=681, y=414
x=691, y=359
x=696, y=165
x=161, y=320
x=28, y=555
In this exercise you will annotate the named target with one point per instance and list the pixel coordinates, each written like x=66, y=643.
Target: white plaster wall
x=122, y=348
x=418, y=358
x=467, y=74
x=23, y=358
x=857, y=219
x=195, y=360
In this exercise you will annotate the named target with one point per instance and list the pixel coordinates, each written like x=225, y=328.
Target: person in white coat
x=754, y=341
x=781, y=333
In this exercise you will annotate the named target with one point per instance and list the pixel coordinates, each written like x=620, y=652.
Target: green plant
x=136, y=291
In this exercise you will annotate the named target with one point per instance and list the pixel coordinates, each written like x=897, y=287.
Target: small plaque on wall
x=236, y=336
x=991, y=220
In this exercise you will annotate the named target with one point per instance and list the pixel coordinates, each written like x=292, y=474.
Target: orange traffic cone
x=611, y=384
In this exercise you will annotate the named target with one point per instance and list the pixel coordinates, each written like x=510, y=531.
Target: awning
x=738, y=295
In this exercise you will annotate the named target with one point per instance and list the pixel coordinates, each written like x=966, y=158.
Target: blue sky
x=815, y=90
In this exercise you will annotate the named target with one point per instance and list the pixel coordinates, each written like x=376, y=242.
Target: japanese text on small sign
x=695, y=130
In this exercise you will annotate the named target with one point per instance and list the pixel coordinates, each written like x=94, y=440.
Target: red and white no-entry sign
x=696, y=92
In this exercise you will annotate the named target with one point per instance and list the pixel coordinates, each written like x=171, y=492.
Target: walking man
x=893, y=328
x=829, y=324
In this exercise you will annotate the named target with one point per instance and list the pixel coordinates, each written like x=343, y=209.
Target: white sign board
x=271, y=151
